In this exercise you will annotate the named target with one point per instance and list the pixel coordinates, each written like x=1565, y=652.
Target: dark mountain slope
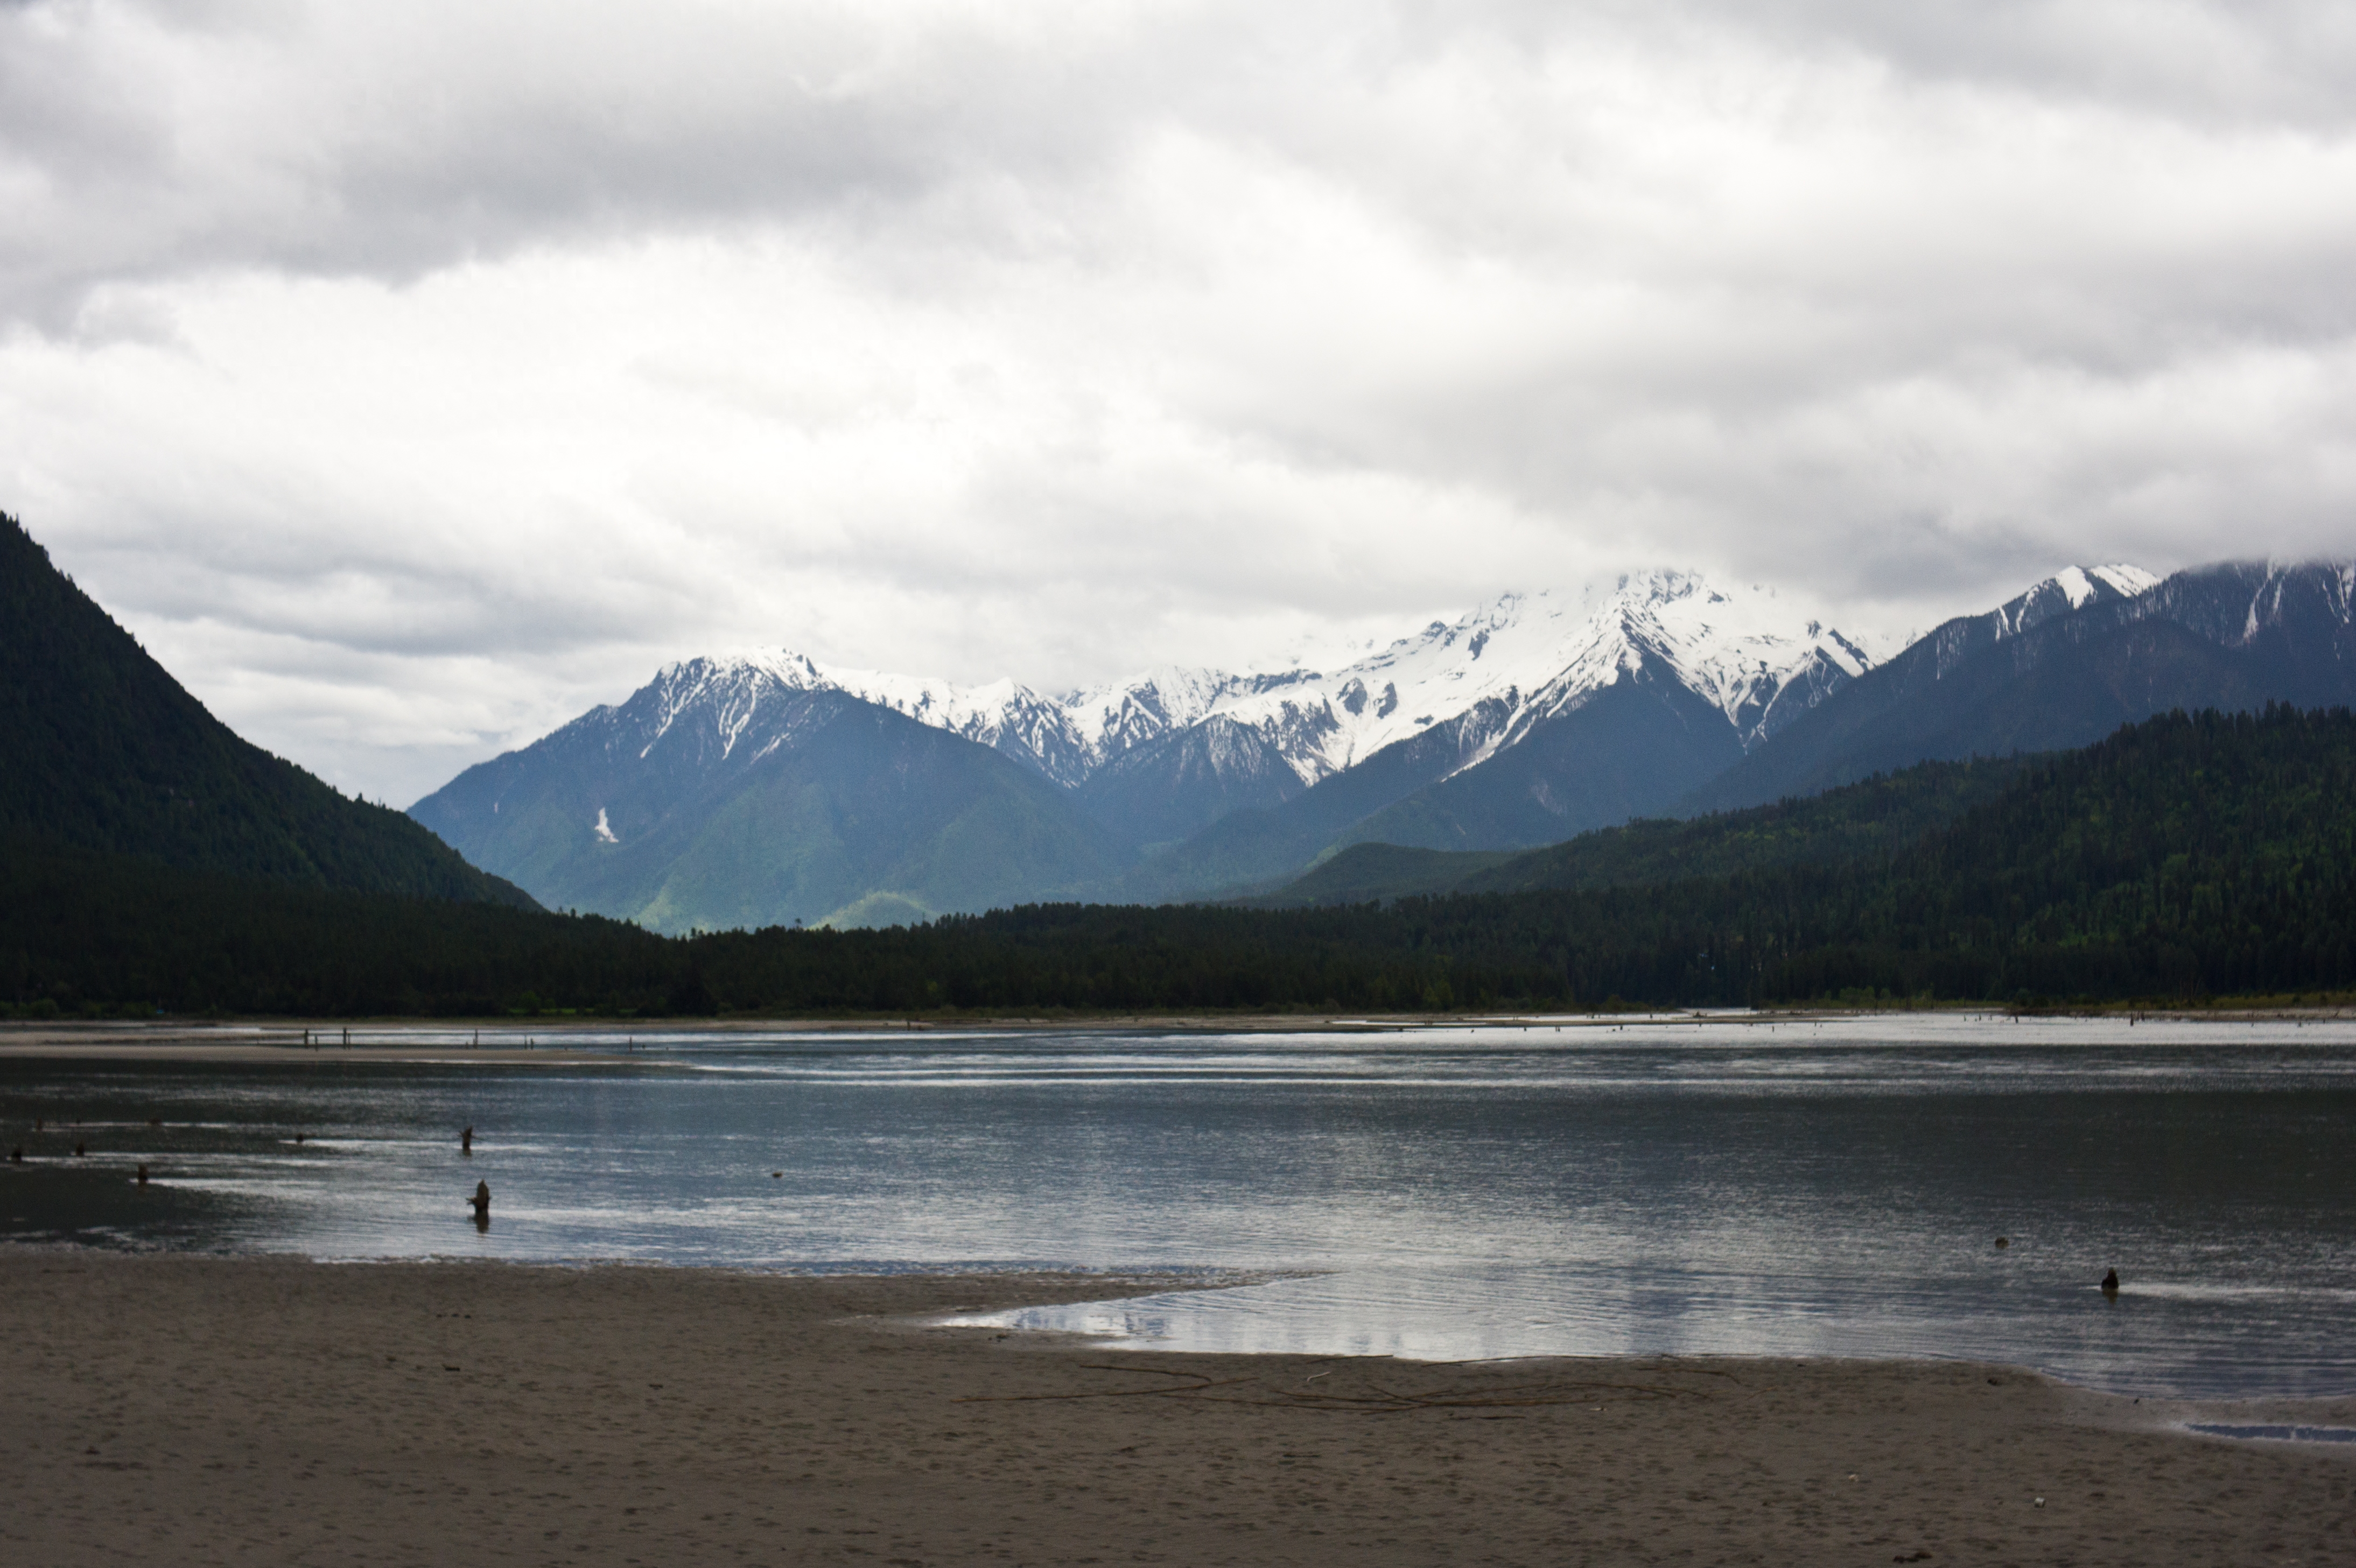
x=83, y=930
x=1178, y=784
x=2232, y=637
x=1256, y=847
x=1618, y=750
x=107, y=751
x=815, y=807
x=1376, y=872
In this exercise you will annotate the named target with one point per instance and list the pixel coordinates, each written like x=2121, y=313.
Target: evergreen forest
x=2184, y=858
x=107, y=753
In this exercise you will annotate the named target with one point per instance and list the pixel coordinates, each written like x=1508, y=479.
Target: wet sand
x=267, y=1409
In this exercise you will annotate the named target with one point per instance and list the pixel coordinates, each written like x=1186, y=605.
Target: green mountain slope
x=105, y=751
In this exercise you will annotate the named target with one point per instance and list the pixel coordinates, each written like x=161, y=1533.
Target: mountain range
x=770, y=788
x=712, y=796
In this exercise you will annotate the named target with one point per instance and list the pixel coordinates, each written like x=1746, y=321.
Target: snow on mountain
x=1758, y=657
x=1531, y=656
x=1755, y=655
x=727, y=690
x=2070, y=588
x=1545, y=652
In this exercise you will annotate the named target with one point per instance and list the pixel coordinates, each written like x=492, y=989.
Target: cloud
x=412, y=377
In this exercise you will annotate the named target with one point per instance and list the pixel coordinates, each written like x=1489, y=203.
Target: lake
x=1725, y=1187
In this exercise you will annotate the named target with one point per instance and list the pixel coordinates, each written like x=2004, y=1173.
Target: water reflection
x=1717, y=1187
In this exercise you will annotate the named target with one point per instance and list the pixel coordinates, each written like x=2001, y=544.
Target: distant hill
x=713, y=799
x=1877, y=817
x=106, y=752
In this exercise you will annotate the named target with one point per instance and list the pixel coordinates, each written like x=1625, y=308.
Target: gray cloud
x=412, y=377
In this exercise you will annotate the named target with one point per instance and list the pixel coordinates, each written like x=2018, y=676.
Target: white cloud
x=412, y=377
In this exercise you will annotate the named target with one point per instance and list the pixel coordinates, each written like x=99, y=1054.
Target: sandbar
x=269, y=1410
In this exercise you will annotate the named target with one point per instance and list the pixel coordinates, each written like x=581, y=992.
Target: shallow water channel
x=1730, y=1186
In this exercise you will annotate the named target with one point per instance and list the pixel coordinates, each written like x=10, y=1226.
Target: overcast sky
x=412, y=377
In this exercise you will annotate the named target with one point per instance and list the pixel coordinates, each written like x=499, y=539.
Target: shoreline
x=270, y=1409
x=550, y=1042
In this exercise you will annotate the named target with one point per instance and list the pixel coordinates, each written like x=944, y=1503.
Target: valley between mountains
x=769, y=789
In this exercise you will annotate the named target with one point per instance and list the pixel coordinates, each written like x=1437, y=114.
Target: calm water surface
x=1446, y=1193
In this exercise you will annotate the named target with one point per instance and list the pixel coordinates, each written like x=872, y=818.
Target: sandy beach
x=269, y=1410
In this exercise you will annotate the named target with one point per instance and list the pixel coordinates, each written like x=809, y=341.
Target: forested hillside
x=88, y=932
x=104, y=751
x=1878, y=816
x=2184, y=856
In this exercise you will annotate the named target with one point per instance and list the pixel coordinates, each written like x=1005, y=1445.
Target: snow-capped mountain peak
x=1526, y=654
x=2083, y=585
x=2072, y=588
x=1757, y=658
x=1519, y=657
x=1003, y=713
